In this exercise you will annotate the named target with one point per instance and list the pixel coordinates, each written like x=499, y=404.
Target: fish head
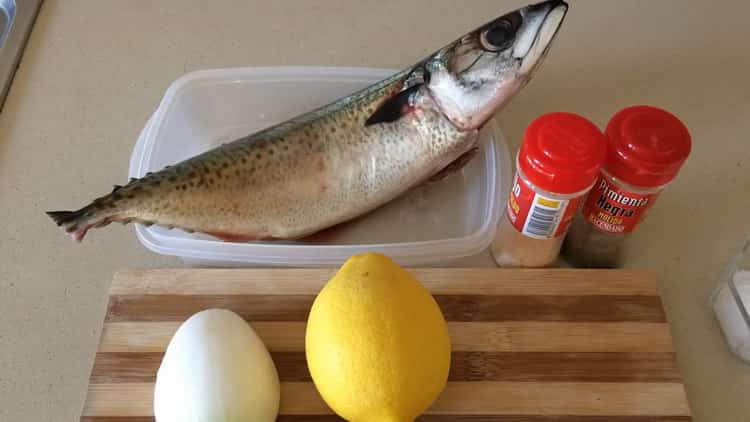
x=473, y=77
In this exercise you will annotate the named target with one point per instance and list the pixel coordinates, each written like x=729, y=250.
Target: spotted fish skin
x=316, y=170
x=290, y=180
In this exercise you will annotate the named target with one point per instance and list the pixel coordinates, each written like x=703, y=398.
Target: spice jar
x=731, y=304
x=646, y=146
x=557, y=164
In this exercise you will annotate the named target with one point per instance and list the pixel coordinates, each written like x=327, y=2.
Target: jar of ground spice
x=646, y=146
x=557, y=164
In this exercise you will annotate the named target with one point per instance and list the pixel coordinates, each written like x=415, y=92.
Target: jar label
x=613, y=209
x=536, y=215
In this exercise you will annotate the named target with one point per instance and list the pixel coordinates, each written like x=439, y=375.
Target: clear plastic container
x=731, y=304
x=439, y=221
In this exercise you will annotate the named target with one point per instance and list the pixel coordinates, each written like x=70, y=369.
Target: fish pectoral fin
x=455, y=165
x=393, y=108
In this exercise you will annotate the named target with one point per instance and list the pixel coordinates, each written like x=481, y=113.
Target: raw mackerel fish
x=344, y=159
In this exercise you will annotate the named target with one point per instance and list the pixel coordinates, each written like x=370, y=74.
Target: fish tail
x=77, y=223
x=74, y=222
x=100, y=212
x=64, y=217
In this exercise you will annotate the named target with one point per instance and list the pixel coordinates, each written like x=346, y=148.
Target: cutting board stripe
x=454, y=307
x=440, y=418
x=465, y=366
x=516, y=336
x=449, y=281
x=458, y=398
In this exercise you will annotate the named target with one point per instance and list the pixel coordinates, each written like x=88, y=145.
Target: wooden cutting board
x=528, y=345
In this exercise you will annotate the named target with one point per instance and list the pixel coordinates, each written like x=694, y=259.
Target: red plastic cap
x=562, y=153
x=647, y=146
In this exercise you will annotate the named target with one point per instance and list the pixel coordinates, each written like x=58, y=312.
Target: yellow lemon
x=377, y=343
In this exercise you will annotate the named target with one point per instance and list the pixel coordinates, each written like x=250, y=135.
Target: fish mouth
x=542, y=22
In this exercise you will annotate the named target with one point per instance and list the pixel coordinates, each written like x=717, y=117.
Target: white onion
x=217, y=369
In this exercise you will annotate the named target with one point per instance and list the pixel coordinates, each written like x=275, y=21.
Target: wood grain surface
x=528, y=345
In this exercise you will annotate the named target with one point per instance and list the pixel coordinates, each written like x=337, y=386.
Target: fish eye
x=499, y=37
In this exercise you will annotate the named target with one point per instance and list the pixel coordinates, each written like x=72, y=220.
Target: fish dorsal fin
x=393, y=108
